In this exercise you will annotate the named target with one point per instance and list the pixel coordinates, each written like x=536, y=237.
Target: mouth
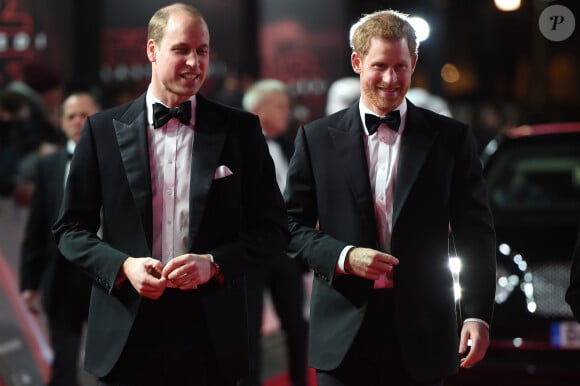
x=189, y=76
x=388, y=90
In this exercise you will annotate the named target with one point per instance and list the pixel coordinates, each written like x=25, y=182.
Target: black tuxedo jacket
x=42, y=267
x=239, y=219
x=439, y=183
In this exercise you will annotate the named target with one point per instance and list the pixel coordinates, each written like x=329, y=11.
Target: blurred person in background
x=283, y=277
x=342, y=93
x=494, y=118
x=14, y=120
x=185, y=192
x=371, y=193
x=232, y=89
x=45, y=275
x=488, y=124
x=423, y=98
x=43, y=86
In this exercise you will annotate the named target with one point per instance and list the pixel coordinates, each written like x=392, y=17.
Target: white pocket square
x=221, y=172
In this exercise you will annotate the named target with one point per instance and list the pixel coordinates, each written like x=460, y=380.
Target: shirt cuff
x=477, y=320
x=342, y=259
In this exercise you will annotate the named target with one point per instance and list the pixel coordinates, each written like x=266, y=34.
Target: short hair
x=388, y=24
x=82, y=93
x=259, y=89
x=158, y=22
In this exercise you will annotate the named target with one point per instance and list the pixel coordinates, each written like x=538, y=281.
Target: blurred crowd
x=29, y=127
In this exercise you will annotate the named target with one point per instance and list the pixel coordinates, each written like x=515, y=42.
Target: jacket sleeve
x=319, y=250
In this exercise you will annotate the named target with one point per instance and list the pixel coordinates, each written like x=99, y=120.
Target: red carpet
x=282, y=379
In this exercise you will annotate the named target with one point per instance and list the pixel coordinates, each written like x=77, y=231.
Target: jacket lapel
x=416, y=142
x=60, y=170
x=348, y=143
x=131, y=132
x=210, y=135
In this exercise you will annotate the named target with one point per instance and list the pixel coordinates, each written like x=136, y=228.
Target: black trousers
x=374, y=359
x=65, y=325
x=67, y=316
x=168, y=345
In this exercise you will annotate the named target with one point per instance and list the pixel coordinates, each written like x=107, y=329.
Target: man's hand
x=369, y=263
x=188, y=271
x=478, y=333
x=32, y=300
x=144, y=273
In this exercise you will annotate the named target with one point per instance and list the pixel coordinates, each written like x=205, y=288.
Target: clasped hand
x=150, y=278
x=369, y=263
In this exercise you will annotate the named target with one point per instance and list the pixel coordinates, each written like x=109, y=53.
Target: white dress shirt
x=382, y=151
x=70, y=148
x=280, y=162
x=170, y=148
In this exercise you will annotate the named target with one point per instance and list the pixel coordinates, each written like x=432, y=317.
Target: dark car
x=533, y=179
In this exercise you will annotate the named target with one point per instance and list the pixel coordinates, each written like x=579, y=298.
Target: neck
x=169, y=99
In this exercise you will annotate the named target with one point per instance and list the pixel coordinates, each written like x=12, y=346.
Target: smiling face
x=385, y=73
x=180, y=59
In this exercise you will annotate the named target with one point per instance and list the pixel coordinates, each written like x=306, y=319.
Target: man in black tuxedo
x=185, y=192
x=370, y=203
x=44, y=271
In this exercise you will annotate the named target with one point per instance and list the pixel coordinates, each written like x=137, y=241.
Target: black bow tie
x=392, y=119
x=162, y=114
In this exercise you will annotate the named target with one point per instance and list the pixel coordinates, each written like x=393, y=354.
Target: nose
x=390, y=75
x=192, y=59
x=79, y=121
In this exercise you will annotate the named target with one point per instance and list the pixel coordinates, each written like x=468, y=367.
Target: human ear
x=151, y=50
x=356, y=62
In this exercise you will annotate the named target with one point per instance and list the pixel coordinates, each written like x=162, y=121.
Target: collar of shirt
x=70, y=146
x=402, y=110
x=150, y=99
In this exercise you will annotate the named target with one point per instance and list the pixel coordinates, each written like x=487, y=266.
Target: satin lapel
x=417, y=139
x=210, y=135
x=131, y=131
x=348, y=143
